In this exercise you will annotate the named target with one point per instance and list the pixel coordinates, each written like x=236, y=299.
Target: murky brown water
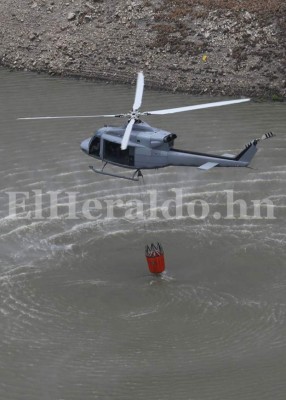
x=80, y=315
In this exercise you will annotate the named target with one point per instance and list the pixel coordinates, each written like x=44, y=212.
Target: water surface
x=80, y=315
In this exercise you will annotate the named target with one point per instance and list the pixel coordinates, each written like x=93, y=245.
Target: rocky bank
x=214, y=47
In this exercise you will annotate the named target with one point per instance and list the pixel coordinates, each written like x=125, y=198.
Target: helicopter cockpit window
x=94, y=147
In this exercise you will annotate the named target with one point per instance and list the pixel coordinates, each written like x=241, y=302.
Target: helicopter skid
x=135, y=177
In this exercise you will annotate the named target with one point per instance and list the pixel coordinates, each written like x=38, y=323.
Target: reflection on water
x=80, y=315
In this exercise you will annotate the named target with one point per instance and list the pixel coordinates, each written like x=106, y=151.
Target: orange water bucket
x=155, y=258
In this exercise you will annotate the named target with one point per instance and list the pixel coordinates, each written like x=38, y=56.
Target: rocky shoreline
x=181, y=46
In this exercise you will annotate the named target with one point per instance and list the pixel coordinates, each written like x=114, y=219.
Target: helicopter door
x=94, y=147
x=113, y=153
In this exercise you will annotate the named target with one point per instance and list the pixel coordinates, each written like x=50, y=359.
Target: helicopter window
x=94, y=147
x=113, y=152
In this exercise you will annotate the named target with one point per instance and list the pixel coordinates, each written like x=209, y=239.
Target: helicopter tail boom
x=206, y=161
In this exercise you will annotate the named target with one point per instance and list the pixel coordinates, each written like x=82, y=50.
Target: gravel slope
x=184, y=46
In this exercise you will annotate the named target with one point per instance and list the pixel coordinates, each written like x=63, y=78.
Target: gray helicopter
x=138, y=145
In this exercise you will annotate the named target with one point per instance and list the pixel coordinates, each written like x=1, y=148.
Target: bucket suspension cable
x=154, y=253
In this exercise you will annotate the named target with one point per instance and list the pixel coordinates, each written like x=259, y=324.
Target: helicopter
x=137, y=145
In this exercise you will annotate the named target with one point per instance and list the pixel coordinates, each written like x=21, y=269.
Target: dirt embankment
x=224, y=47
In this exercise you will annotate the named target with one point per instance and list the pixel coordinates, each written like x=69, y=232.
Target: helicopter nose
x=85, y=145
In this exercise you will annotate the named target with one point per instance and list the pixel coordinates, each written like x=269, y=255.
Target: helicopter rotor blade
x=75, y=116
x=127, y=134
x=139, y=91
x=196, y=107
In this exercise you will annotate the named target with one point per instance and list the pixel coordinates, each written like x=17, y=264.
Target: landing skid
x=135, y=177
